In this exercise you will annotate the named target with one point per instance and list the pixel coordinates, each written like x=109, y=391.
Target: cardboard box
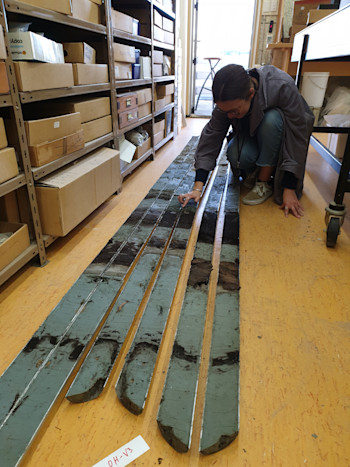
x=157, y=70
x=302, y=8
x=145, y=109
x=295, y=28
x=163, y=90
x=168, y=24
x=79, y=52
x=159, y=126
x=97, y=128
x=8, y=164
x=157, y=137
x=127, y=118
x=141, y=150
x=336, y=144
x=163, y=102
x=122, y=21
x=158, y=56
x=124, y=53
x=316, y=15
x=52, y=128
x=68, y=196
x=4, y=82
x=89, y=74
x=158, y=19
x=158, y=34
x=33, y=76
x=31, y=46
x=3, y=54
x=98, y=2
x=15, y=244
x=89, y=109
x=122, y=70
x=145, y=64
x=144, y=95
x=44, y=153
x=168, y=5
x=3, y=137
x=86, y=11
x=169, y=37
x=126, y=101
x=9, y=210
x=61, y=6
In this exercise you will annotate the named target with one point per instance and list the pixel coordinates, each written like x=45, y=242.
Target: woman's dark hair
x=231, y=82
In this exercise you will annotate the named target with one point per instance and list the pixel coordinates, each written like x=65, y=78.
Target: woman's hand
x=291, y=203
x=184, y=198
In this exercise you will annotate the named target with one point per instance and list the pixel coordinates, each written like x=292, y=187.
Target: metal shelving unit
x=124, y=85
x=16, y=102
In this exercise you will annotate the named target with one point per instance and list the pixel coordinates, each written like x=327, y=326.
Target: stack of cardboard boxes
x=76, y=122
x=62, y=65
x=163, y=29
x=53, y=137
x=164, y=95
x=124, y=58
x=8, y=160
x=77, y=67
x=306, y=12
x=14, y=236
x=132, y=106
x=83, y=59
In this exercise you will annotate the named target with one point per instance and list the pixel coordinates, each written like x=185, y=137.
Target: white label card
x=126, y=454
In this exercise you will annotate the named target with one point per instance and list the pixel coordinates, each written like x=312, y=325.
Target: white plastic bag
x=338, y=102
x=339, y=120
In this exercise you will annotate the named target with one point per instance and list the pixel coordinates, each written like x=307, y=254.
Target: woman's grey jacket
x=276, y=90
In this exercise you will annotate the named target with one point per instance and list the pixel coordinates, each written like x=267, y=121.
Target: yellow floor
x=295, y=337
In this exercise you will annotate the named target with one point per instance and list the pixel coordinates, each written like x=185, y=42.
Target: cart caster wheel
x=333, y=231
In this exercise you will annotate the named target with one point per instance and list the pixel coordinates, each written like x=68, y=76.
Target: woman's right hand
x=184, y=198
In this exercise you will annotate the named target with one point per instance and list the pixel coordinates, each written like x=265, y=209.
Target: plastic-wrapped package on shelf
x=30, y=46
x=141, y=139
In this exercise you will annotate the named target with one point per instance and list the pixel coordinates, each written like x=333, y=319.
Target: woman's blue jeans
x=260, y=150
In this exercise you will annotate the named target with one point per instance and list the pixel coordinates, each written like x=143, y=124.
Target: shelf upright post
x=176, y=73
x=22, y=137
x=112, y=81
x=152, y=76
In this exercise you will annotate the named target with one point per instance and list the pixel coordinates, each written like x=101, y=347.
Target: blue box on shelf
x=137, y=55
x=136, y=68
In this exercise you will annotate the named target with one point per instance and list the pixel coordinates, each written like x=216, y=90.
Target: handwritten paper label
x=126, y=454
